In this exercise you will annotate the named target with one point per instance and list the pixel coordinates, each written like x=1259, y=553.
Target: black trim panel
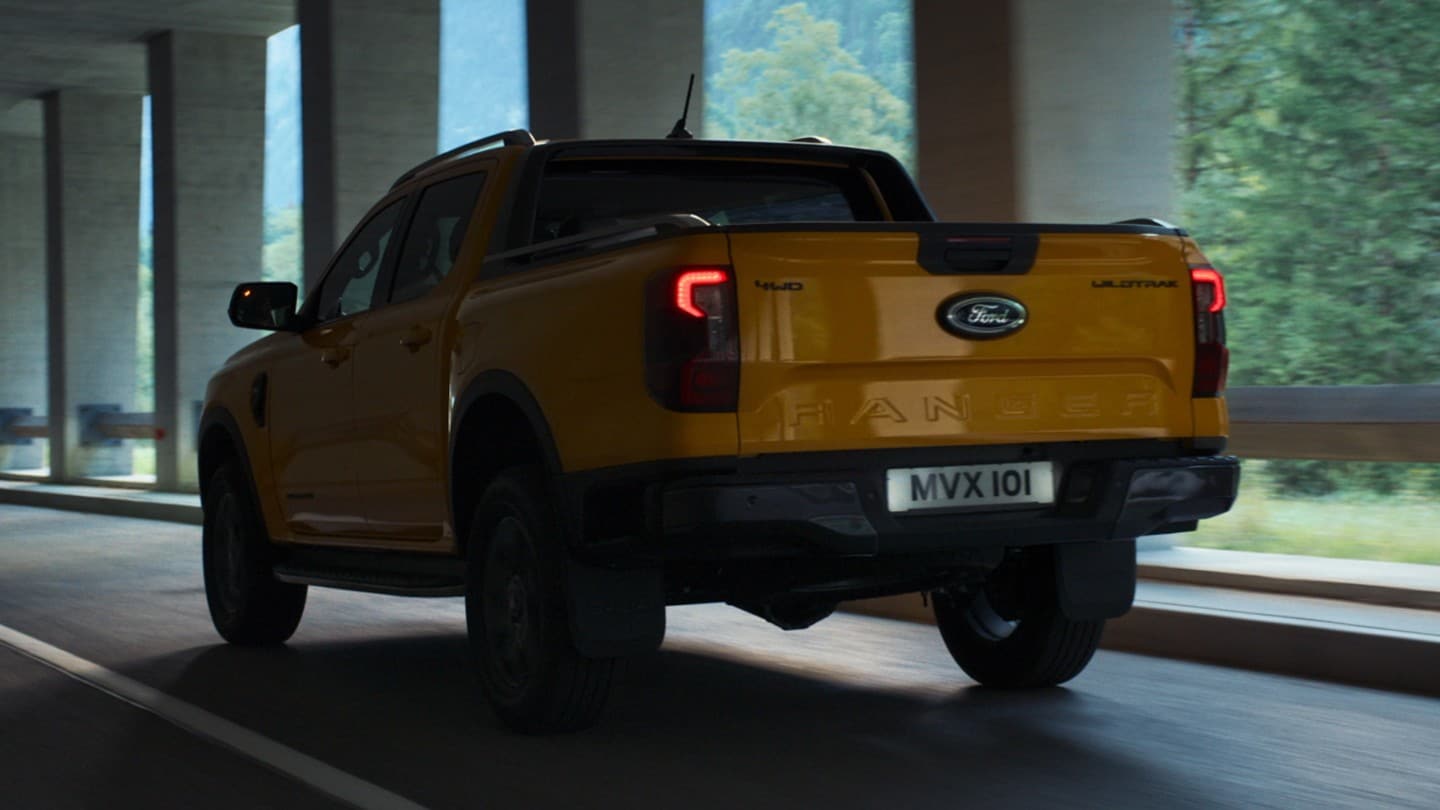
x=957, y=228
x=218, y=417
x=388, y=572
x=794, y=483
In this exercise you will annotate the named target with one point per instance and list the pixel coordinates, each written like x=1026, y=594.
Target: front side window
x=436, y=233
x=349, y=288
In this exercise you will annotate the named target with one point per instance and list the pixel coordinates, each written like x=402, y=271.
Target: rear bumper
x=846, y=514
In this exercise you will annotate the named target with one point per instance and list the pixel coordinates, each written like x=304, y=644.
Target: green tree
x=1309, y=139
x=805, y=83
x=876, y=32
x=282, y=258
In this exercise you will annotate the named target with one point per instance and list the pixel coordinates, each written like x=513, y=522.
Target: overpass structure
x=1017, y=119
x=1040, y=110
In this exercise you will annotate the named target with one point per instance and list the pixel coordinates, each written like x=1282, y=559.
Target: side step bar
x=394, y=573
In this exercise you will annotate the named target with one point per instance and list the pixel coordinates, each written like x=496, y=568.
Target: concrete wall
x=1095, y=113
x=965, y=110
x=208, y=113
x=370, y=80
x=92, y=189
x=1045, y=110
x=614, y=68
x=22, y=286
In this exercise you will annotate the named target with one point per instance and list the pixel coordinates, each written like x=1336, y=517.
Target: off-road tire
x=1041, y=647
x=517, y=616
x=247, y=604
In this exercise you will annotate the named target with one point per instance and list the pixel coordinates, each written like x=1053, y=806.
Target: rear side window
x=436, y=233
x=584, y=195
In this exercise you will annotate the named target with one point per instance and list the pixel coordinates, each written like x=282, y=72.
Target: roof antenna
x=679, y=130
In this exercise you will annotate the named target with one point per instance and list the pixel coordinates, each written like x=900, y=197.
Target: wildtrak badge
x=1131, y=283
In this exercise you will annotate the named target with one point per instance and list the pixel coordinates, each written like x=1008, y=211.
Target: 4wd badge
x=982, y=315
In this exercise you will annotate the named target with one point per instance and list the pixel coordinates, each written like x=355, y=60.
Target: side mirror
x=264, y=305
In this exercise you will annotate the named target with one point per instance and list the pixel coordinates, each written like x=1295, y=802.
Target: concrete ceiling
x=99, y=44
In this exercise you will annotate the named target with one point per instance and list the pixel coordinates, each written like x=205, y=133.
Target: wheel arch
x=496, y=423
x=220, y=440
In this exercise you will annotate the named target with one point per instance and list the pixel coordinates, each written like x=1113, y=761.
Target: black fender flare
x=511, y=387
x=613, y=612
x=219, y=417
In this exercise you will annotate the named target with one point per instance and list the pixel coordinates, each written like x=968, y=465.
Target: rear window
x=580, y=196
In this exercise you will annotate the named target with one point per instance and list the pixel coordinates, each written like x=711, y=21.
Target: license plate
x=973, y=485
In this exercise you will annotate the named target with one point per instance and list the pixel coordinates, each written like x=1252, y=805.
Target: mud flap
x=615, y=612
x=1095, y=580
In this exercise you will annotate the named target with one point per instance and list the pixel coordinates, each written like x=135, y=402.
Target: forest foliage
x=841, y=69
x=1309, y=139
x=1307, y=145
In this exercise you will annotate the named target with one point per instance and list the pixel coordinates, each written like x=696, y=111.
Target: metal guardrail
x=105, y=425
x=1336, y=422
x=101, y=425
x=1331, y=422
x=20, y=426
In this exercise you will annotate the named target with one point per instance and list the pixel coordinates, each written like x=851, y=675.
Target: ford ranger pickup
x=576, y=382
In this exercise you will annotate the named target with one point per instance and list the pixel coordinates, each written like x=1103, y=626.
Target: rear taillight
x=692, y=343
x=1212, y=359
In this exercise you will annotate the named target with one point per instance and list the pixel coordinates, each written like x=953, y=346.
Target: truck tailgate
x=844, y=343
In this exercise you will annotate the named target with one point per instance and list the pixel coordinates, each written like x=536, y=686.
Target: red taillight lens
x=1212, y=366
x=1212, y=359
x=692, y=344
x=1209, y=288
x=685, y=291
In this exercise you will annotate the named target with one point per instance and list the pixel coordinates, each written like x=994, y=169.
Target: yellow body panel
x=857, y=360
x=573, y=332
x=852, y=360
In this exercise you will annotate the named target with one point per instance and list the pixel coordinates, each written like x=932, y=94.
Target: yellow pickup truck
x=579, y=381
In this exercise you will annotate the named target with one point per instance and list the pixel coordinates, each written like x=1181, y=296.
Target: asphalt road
x=856, y=712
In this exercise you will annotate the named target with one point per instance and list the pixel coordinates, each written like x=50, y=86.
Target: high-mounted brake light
x=1212, y=358
x=685, y=285
x=1209, y=277
x=692, y=343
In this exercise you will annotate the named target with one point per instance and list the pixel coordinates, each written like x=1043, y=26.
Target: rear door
x=401, y=372
x=866, y=337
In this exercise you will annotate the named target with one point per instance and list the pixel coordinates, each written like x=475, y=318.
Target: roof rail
x=510, y=137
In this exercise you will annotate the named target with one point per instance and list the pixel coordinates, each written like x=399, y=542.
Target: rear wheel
x=517, y=616
x=247, y=604
x=1011, y=633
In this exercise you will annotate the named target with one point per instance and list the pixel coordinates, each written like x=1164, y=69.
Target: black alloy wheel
x=247, y=604
x=517, y=616
x=1011, y=632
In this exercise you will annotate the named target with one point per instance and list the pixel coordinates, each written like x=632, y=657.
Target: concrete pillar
x=370, y=86
x=22, y=288
x=1045, y=110
x=208, y=119
x=613, y=68
x=92, y=202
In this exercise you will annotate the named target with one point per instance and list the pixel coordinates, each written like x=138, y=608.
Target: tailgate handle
x=979, y=254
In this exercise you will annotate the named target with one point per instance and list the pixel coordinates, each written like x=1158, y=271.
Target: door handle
x=335, y=356
x=417, y=336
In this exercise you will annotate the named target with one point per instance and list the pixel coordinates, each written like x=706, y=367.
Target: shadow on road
x=687, y=729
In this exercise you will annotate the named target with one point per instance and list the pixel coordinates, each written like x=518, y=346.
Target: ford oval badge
x=982, y=315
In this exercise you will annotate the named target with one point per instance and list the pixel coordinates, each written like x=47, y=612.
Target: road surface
x=857, y=712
